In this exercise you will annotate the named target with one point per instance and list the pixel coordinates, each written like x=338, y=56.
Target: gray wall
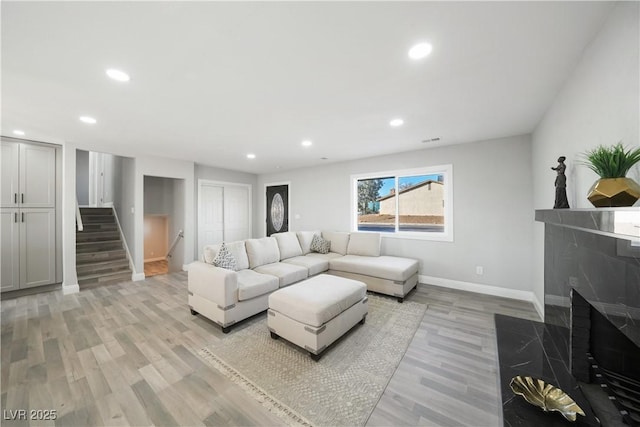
x=493, y=210
x=82, y=177
x=599, y=104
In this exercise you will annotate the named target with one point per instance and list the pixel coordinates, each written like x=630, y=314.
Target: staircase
x=100, y=255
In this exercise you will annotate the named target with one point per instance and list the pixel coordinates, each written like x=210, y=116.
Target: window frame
x=447, y=170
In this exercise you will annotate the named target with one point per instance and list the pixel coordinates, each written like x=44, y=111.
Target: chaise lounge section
x=262, y=266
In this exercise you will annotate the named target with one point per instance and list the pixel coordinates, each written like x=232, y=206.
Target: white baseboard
x=185, y=267
x=485, y=289
x=160, y=258
x=136, y=277
x=70, y=289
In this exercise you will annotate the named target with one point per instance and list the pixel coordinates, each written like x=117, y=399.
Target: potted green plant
x=612, y=163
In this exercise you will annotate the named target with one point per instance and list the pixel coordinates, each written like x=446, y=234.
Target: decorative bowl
x=546, y=396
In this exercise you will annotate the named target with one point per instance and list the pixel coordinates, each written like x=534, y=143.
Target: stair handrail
x=174, y=244
x=78, y=217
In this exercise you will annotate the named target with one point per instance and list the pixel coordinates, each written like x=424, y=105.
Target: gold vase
x=614, y=192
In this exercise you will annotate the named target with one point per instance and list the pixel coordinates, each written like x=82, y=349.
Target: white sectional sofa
x=267, y=264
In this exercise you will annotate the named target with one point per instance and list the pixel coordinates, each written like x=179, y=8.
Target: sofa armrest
x=216, y=284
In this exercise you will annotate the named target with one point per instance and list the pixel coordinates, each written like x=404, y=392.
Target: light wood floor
x=125, y=354
x=154, y=268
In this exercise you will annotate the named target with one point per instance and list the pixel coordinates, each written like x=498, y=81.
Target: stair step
x=96, y=211
x=95, y=236
x=107, y=245
x=100, y=256
x=98, y=219
x=102, y=267
x=105, y=278
x=99, y=226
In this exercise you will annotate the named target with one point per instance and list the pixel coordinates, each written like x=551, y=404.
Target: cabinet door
x=9, y=255
x=9, y=174
x=37, y=247
x=37, y=176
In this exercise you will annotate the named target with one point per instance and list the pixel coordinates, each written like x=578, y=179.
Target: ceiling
x=214, y=81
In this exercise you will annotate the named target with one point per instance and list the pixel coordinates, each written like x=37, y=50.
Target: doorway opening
x=163, y=225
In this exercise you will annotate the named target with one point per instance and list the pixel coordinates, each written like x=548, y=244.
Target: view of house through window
x=407, y=203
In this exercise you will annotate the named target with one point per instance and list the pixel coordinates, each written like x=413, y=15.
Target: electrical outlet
x=479, y=270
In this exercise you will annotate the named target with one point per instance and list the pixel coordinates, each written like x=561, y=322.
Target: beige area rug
x=342, y=388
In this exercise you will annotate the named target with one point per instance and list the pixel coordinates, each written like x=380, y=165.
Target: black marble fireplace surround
x=587, y=254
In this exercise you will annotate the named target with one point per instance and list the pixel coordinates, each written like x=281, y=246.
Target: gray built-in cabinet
x=28, y=215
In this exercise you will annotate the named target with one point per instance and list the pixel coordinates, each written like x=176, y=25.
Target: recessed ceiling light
x=420, y=50
x=118, y=75
x=88, y=120
x=307, y=143
x=18, y=132
x=396, y=122
x=251, y=156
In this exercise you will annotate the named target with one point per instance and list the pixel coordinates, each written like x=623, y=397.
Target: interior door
x=211, y=224
x=277, y=209
x=236, y=213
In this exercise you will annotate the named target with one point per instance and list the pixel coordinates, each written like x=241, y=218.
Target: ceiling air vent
x=425, y=141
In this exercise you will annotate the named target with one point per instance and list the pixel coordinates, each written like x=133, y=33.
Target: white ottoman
x=315, y=312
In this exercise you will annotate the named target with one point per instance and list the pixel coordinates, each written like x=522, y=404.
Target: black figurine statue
x=561, y=185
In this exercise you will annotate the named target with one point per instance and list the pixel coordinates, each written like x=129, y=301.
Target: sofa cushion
x=320, y=245
x=262, y=251
x=316, y=301
x=327, y=257
x=314, y=265
x=288, y=244
x=237, y=249
x=252, y=284
x=305, y=238
x=385, y=267
x=224, y=259
x=366, y=244
x=339, y=241
x=286, y=273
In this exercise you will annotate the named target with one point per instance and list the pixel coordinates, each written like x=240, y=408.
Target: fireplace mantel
x=597, y=253
x=619, y=223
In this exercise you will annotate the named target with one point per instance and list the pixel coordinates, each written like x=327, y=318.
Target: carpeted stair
x=100, y=255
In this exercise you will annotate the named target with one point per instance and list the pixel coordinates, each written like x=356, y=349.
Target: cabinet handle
x=22, y=216
x=15, y=198
x=15, y=217
x=21, y=197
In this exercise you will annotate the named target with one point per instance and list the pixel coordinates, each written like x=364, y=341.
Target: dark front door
x=277, y=209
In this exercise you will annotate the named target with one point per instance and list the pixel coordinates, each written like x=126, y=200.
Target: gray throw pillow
x=320, y=245
x=224, y=259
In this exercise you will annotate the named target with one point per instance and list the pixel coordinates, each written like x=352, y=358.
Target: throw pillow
x=224, y=259
x=320, y=245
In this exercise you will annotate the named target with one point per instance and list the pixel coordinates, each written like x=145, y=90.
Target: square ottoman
x=314, y=313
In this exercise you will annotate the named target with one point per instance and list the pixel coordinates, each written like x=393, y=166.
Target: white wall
x=493, y=211
x=124, y=203
x=169, y=168
x=599, y=104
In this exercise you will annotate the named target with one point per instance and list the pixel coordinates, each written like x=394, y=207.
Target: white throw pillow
x=288, y=244
x=365, y=244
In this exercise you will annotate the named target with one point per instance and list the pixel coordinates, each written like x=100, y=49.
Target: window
x=414, y=203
